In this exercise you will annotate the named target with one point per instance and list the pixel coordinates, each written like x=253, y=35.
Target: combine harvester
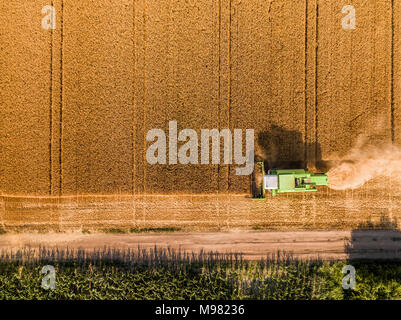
x=289, y=180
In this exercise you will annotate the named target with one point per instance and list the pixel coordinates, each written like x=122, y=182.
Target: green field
x=169, y=274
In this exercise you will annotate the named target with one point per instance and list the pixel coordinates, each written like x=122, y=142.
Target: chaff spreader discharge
x=287, y=180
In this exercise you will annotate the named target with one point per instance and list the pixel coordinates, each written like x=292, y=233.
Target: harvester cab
x=288, y=180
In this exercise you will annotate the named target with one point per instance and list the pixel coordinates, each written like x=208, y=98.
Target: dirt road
x=380, y=244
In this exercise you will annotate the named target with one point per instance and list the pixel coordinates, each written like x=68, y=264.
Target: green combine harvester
x=289, y=180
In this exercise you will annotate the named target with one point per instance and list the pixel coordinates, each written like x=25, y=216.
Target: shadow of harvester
x=279, y=148
x=287, y=149
x=375, y=241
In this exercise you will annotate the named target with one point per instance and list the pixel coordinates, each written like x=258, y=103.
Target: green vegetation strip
x=171, y=274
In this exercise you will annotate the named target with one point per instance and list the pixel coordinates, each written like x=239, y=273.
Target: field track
x=323, y=210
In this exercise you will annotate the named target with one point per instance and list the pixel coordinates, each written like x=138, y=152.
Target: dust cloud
x=365, y=161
